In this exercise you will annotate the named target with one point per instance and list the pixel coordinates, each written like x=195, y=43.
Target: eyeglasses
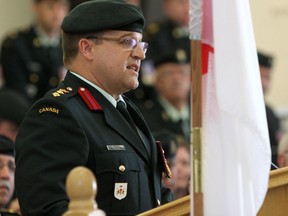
x=127, y=43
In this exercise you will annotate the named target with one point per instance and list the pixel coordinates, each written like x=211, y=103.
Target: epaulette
x=153, y=28
x=26, y=29
x=62, y=94
x=150, y=31
x=13, y=34
x=88, y=99
x=62, y=91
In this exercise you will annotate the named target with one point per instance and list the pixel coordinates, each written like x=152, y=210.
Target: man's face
x=7, y=170
x=50, y=14
x=265, y=73
x=177, y=11
x=115, y=68
x=8, y=129
x=173, y=81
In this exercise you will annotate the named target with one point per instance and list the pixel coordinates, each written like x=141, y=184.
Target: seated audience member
x=31, y=57
x=7, y=169
x=274, y=127
x=12, y=111
x=282, y=157
x=169, y=108
x=180, y=181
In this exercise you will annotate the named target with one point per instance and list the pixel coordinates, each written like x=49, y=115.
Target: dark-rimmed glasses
x=127, y=43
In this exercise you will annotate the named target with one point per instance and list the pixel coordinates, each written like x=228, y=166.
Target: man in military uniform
x=265, y=64
x=169, y=108
x=87, y=122
x=32, y=57
x=7, y=169
x=167, y=36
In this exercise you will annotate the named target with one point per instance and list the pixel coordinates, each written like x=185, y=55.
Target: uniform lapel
x=112, y=116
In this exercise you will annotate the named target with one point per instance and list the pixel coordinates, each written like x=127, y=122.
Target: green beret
x=178, y=56
x=13, y=106
x=6, y=146
x=99, y=15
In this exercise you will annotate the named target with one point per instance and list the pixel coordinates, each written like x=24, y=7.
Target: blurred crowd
x=31, y=60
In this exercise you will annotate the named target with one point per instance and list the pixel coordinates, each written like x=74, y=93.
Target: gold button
x=122, y=168
x=158, y=202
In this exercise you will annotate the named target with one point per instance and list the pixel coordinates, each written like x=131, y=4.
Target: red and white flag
x=235, y=142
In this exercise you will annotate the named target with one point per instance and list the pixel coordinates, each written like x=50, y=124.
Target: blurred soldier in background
x=274, y=127
x=32, y=57
x=169, y=108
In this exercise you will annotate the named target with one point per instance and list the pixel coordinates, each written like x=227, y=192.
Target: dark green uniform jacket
x=64, y=130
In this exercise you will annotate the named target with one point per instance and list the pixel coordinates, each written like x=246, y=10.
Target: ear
x=85, y=48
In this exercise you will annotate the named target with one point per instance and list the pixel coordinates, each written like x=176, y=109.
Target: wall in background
x=270, y=19
x=13, y=14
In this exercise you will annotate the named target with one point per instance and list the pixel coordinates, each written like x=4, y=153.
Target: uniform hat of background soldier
x=13, y=106
x=100, y=15
x=6, y=146
x=265, y=59
x=179, y=57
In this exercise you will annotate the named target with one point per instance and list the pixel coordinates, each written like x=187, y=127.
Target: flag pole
x=197, y=125
x=196, y=108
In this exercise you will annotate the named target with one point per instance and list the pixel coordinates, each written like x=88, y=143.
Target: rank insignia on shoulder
x=166, y=168
x=62, y=91
x=49, y=109
x=120, y=190
x=89, y=100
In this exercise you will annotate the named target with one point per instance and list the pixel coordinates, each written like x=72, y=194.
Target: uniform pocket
x=118, y=180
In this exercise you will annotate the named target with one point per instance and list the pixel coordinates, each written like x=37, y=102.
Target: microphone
x=274, y=165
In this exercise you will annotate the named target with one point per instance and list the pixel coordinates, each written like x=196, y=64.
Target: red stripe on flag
x=206, y=48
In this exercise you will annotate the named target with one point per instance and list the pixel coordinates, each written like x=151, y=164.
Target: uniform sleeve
x=49, y=144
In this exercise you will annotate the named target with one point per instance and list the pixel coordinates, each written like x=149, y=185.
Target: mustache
x=5, y=183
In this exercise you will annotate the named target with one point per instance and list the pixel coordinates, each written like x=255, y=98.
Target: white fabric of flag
x=235, y=142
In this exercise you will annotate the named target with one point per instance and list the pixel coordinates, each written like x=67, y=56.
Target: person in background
x=12, y=111
x=169, y=108
x=86, y=121
x=274, y=127
x=180, y=181
x=31, y=57
x=7, y=169
x=282, y=157
x=166, y=36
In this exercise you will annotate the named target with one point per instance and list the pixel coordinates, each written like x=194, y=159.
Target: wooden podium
x=276, y=200
x=275, y=203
